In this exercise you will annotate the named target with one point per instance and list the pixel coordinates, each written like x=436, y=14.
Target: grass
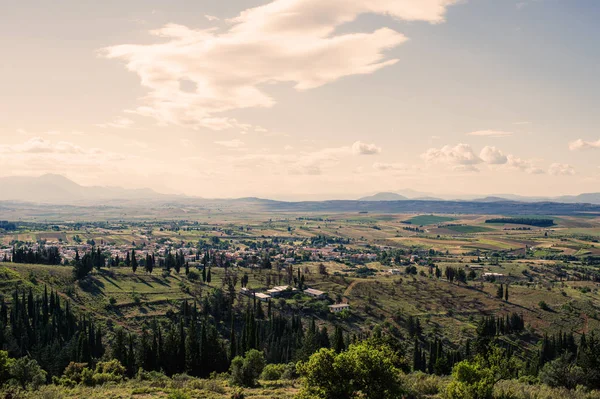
x=424, y=220
x=467, y=229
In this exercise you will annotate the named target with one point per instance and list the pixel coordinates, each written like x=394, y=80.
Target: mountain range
x=57, y=189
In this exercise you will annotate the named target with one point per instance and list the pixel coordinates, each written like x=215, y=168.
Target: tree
x=5, y=365
x=470, y=381
x=500, y=291
x=208, y=276
x=134, y=262
x=27, y=373
x=246, y=370
x=506, y=293
x=366, y=368
x=563, y=372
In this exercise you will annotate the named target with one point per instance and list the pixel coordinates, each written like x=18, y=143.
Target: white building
x=314, y=293
x=340, y=307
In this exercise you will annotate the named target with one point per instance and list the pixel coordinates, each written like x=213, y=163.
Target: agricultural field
x=390, y=273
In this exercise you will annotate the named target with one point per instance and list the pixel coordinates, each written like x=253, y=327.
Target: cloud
x=490, y=133
x=39, y=145
x=561, y=169
x=235, y=143
x=523, y=165
x=360, y=148
x=390, y=166
x=493, y=156
x=212, y=18
x=461, y=154
x=118, y=123
x=42, y=156
x=462, y=157
x=584, y=145
x=284, y=41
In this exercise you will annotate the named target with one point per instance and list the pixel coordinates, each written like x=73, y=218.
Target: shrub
x=27, y=373
x=273, y=372
x=178, y=394
x=543, y=305
x=366, y=368
x=246, y=370
x=193, y=275
x=113, y=367
x=238, y=394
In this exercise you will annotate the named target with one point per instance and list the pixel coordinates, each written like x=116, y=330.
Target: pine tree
x=338, y=340
x=134, y=263
x=208, y=277
x=506, y=293
x=500, y=291
x=204, y=274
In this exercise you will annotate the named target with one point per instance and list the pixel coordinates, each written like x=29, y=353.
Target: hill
x=384, y=197
x=57, y=189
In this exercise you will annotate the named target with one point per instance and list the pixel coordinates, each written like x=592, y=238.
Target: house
x=280, y=291
x=395, y=272
x=315, y=293
x=340, y=307
x=262, y=297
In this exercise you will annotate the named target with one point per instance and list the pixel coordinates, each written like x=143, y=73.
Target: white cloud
x=461, y=154
x=284, y=41
x=118, y=123
x=390, y=166
x=39, y=145
x=235, y=143
x=360, y=148
x=38, y=155
x=584, y=145
x=561, y=169
x=493, y=156
x=211, y=18
x=462, y=157
x=490, y=133
x=523, y=165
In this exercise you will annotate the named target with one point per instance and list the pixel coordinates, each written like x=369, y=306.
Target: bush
x=273, y=372
x=178, y=394
x=113, y=367
x=366, y=368
x=238, y=394
x=470, y=381
x=27, y=373
x=543, y=305
x=246, y=370
x=193, y=275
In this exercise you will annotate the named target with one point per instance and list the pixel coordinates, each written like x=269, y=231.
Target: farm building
x=339, y=307
x=282, y=290
x=315, y=293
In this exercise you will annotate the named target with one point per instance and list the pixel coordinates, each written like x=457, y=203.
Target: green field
x=424, y=220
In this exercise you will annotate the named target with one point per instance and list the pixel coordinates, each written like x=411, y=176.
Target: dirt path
x=351, y=287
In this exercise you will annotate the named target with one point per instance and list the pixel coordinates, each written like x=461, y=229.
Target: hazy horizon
x=301, y=99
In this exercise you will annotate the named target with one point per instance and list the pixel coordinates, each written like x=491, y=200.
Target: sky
x=304, y=99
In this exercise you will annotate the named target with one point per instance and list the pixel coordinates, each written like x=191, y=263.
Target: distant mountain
x=492, y=199
x=51, y=188
x=590, y=198
x=384, y=197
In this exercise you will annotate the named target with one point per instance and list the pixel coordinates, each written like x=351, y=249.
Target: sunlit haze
x=304, y=99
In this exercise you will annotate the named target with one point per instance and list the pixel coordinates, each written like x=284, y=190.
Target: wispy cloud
x=561, y=169
x=284, y=41
x=118, y=123
x=584, y=145
x=490, y=133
